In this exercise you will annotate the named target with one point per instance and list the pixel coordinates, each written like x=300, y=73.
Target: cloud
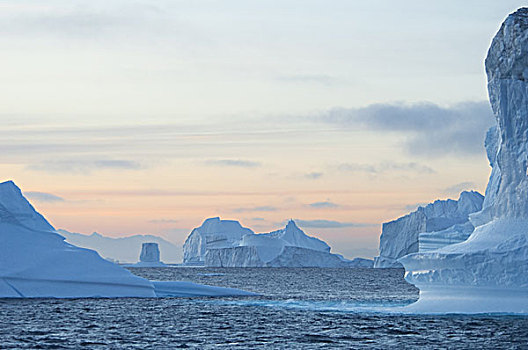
x=232, y=163
x=313, y=175
x=68, y=20
x=116, y=164
x=325, y=204
x=328, y=224
x=255, y=209
x=191, y=193
x=430, y=129
x=163, y=221
x=457, y=188
x=321, y=79
x=82, y=166
x=46, y=140
x=386, y=167
x=43, y=197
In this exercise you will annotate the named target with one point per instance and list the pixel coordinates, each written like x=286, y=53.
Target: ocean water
x=297, y=309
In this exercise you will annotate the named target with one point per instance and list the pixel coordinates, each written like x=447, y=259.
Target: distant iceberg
x=213, y=233
x=149, y=256
x=225, y=243
x=35, y=261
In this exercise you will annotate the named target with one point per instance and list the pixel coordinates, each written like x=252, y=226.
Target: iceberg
x=150, y=253
x=436, y=224
x=251, y=256
x=488, y=272
x=292, y=235
x=438, y=239
x=149, y=256
x=287, y=247
x=35, y=261
x=213, y=233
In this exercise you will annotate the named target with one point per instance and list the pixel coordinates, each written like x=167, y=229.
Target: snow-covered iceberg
x=35, y=261
x=287, y=247
x=213, y=233
x=489, y=271
x=434, y=225
x=123, y=249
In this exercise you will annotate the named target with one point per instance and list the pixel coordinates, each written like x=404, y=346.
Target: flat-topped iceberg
x=213, y=233
x=149, y=256
x=287, y=247
x=35, y=261
x=488, y=272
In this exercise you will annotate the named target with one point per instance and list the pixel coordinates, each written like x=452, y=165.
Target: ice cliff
x=287, y=247
x=437, y=224
x=35, y=261
x=213, y=233
x=488, y=272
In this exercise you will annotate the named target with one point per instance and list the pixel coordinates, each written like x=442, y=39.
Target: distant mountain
x=123, y=249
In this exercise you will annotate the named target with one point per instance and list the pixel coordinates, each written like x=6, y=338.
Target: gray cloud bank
x=324, y=204
x=313, y=175
x=264, y=208
x=431, y=130
x=380, y=168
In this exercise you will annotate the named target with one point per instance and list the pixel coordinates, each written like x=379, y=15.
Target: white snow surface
x=488, y=272
x=123, y=249
x=35, y=261
x=287, y=247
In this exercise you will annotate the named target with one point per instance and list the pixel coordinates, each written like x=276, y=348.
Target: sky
x=147, y=117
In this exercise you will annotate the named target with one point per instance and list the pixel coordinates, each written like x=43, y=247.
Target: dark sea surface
x=297, y=309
